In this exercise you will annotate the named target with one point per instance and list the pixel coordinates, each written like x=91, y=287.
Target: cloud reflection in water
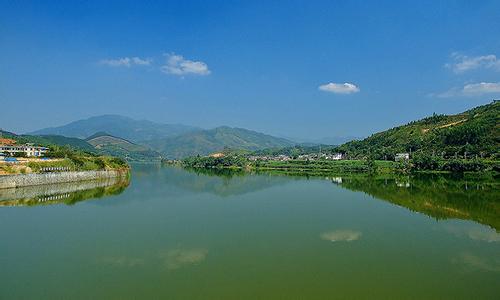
x=178, y=258
x=341, y=235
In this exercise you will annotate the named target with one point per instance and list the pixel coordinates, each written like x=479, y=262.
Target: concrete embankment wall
x=13, y=181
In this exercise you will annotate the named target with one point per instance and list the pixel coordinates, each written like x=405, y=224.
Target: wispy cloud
x=178, y=65
x=462, y=63
x=126, y=62
x=471, y=90
x=339, y=88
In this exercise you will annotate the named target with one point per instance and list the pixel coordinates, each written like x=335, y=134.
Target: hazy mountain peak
x=117, y=125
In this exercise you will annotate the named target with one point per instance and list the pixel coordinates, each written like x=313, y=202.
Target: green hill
x=204, y=142
x=67, y=151
x=473, y=132
x=115, y=146
x=68, y=141
x=48, y=140
x=127, y=128
x=100, y=143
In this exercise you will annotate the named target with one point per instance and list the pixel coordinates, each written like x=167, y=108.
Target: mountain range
x=126, y=137
x=476, y=131
x=111, y=145
x=118, y=126
x=204, y=142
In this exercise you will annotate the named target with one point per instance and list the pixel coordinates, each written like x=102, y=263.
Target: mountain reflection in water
x=441, y=196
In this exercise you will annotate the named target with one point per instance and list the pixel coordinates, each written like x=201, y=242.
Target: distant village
x=312, y=156
x=315, y=156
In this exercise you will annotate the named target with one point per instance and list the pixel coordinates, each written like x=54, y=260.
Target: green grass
x=74, y=163
x=81, y=163
x=339, y=166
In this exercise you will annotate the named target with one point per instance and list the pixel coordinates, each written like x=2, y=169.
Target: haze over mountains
x=116, y=146
x=212, y=140
x=475, y=132
x=119, y=126
x=118, y=135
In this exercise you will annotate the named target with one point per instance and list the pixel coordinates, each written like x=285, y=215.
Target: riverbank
x=71, y=163
x=320, y=167
x=21, y=180
x=68, y=193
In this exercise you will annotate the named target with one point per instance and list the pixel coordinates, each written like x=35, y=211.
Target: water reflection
x=474, y=232
x=121, y=261
x=472, y=262
x=438, y=196
x=63, y=193
x=345, y=235
x=224, y=183
x=441, y=196
x=177, y=258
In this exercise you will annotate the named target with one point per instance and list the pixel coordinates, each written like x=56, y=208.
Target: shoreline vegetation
x=465, y=142
x=418, y=164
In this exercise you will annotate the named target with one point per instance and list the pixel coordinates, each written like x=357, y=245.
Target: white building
x=402, y=156
x=29, y=150
x=337, y=156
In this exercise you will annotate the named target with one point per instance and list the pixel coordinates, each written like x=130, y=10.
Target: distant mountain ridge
x=204, y=142
x=46, y=140
x=118, y=135
x=99, y=143
x=116, y=146
x=118, y=126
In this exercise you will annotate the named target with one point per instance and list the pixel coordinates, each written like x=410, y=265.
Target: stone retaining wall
x=13, y=181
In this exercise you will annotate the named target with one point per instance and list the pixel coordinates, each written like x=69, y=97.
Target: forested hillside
x=473, y=132
x=207, y=141
x=115, y=146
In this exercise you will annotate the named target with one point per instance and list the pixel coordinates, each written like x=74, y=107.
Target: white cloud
x=472, y=89
x=481, y=88
x=141, y=62
x=463, y=63
x=339, y=88
x=178, y=65
x=126, y=62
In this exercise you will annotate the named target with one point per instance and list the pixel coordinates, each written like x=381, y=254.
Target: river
x=177, y=234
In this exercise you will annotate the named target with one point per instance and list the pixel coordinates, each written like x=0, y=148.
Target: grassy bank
x=319, y=166
x=72, y=163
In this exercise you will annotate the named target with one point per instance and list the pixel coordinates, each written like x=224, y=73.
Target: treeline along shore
x=368, y=165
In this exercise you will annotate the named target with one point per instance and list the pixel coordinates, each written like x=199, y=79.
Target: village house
x=28, y=150
x=401, y=156
x=336, y=156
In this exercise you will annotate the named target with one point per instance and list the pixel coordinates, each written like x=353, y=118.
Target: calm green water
x=175, y=234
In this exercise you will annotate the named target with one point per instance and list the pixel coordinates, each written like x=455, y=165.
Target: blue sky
x=305, y=69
